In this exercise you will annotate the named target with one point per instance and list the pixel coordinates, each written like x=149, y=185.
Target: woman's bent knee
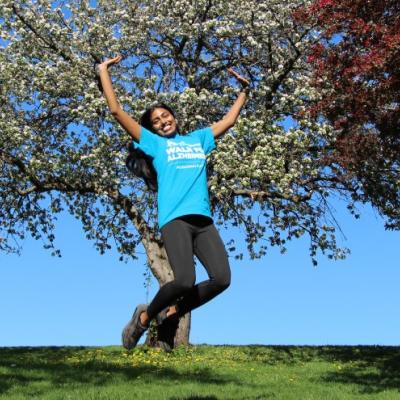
x=223, y=283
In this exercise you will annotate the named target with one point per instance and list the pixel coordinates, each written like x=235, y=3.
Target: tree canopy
x=271, y=176
x=356, y=69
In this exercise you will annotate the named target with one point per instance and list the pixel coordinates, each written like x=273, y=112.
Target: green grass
x=201, y=373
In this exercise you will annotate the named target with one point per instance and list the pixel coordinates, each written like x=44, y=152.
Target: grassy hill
x=201, y=373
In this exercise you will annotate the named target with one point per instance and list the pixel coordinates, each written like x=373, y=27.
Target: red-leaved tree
x=356, y=69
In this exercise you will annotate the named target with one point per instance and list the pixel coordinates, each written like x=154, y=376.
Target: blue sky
x=84, y=298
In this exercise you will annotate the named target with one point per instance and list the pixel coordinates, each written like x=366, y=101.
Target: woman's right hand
x=111, y=61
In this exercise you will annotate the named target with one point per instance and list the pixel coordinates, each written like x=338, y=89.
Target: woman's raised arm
x=124, y=119
x=228, y=121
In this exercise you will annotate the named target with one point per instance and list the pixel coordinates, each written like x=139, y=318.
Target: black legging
x=183, y=237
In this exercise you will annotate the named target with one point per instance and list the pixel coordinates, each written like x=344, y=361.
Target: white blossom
x=55, y=121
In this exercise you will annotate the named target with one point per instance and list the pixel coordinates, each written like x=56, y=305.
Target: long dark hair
x=138, y=162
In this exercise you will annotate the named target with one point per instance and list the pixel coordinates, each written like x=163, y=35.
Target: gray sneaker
x=134, y=329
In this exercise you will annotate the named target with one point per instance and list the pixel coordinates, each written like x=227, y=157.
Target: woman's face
x=163, y=122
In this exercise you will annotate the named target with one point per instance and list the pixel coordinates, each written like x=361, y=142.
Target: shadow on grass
x=48, y=364
x=195, y=398
x=372, y=368
x=264, y=396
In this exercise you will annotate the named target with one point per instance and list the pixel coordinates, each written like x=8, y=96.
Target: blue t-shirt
x=180, y=163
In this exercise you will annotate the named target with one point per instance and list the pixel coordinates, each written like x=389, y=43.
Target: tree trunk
x=162, y=271
x=183, y=331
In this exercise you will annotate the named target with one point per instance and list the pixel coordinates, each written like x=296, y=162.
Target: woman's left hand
x=244, y=82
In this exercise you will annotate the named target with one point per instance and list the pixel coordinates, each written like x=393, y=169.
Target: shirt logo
x=181, y=150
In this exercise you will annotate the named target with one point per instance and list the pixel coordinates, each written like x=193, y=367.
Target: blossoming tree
x=60, y=150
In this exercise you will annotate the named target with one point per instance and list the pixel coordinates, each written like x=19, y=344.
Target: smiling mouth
x=166, y=127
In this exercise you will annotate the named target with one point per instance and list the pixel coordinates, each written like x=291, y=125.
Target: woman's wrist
x=99, y=68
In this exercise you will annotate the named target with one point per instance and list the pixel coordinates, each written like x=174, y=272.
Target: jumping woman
x=178, y=163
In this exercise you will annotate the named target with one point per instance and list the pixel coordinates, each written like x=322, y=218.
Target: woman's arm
x=124, y=119
x=228, y=121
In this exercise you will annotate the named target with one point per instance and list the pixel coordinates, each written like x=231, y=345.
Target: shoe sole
x=128, y=342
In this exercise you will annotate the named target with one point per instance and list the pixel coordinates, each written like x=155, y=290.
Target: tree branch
x=49, y=43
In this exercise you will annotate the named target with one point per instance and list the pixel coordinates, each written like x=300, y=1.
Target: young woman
x=177, y=163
